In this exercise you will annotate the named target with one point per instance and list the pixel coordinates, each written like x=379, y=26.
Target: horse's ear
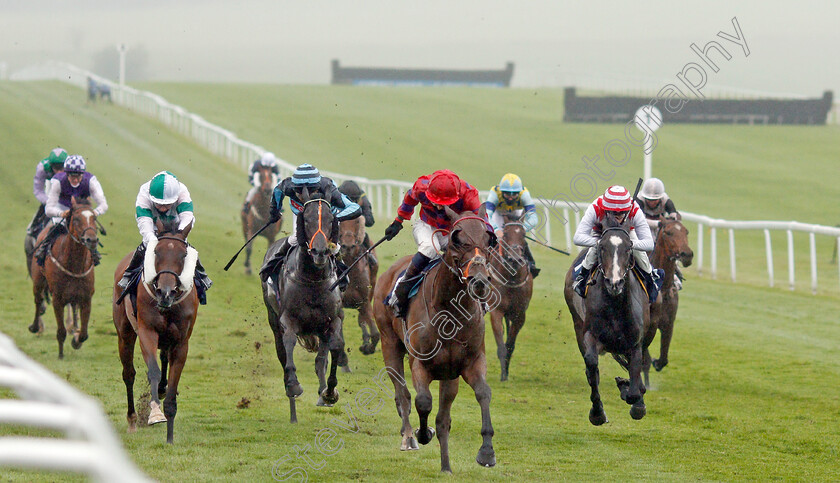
x=186, y=231
x=159, y=226
x=73, y=202
x=304, y=194
x=450, y=213
x=482, y=211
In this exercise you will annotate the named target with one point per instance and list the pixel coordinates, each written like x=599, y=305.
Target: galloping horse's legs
x=164, y=363
x=394, y=362
x=496, y=319
x=422, y=401
x=81, y=334
x=170, y=404
x=61, y=332
x=590, y=358
x=475, y=375
x=248, y=259
x=127, y=338
x=39, y=288
x=321, y=368
x=370, y=336
x=293, y=388
x=646, y=366
x=516, y=321
x=443, y=421
x=336, y=346
x=635, y=395
x=149, y=348
x=666, y=330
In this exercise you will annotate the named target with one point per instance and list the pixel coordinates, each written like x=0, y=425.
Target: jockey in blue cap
x=306, y=176
x=510, y=201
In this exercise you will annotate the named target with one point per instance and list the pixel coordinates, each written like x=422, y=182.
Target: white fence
x=386, y=194
x=47, y=402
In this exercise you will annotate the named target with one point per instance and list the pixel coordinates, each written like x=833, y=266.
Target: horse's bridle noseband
x=479, y=260
x=320, y=227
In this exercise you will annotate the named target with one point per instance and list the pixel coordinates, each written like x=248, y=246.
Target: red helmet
x=616, y=198
x=444, y=187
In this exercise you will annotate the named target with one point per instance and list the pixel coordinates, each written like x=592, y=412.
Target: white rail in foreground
x=386, y=194
x=48, y=402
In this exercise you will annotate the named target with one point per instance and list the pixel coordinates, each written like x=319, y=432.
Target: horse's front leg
x=81, y=333
x=635, y=395
x=443, y=421
x=127, y=338
x=39, y=287
x=364, y=323
x=423, y=400
x=321, y=370
x=170, y=404
x=517, y=321
x=476, y=377
x=61, y=331
x=336, y=346
x=164, y=364
x=590, y=358
x=149, y=347
x=496, y=321
x=666, y=331
x=293, y=388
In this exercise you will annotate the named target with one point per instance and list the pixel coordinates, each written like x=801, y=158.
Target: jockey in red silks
x=432, y=192
x=618, y=204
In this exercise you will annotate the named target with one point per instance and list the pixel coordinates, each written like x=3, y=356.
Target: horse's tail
x=309, y=342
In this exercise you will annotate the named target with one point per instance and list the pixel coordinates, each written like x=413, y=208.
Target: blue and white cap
x=306, y=175
x=164, y=188
x=74, y=164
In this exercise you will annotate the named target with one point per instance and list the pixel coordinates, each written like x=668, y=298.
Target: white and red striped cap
x=616, y=198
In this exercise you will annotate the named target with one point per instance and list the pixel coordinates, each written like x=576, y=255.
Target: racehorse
x=301, y=306
x=612, y=318
x=259, y=213
x=671, y=245
x=362, y=279
x=162, y=317
x=514, y=283
x=67, y=275
x=443, y=335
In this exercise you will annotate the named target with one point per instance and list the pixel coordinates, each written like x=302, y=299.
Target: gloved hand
x=393, y=229
x=275, y=216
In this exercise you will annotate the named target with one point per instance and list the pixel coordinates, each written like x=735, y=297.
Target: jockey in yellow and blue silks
x=510, y=199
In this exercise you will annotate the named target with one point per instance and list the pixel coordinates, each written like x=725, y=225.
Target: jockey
x=656, y=205
x=432, y=192
x=306, y=176
x=73, y=182
x=616, y=203
x=510, y=198
x=44, y=171
x=357, y=195
x=269, y=160
x=166, y=199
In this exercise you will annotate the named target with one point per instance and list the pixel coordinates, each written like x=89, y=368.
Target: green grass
x=749, y=394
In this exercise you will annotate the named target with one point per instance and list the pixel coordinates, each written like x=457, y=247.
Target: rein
x=79, y=241
x=320, y=230
x=171, y=272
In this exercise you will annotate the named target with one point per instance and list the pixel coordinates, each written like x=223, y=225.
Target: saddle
x=415, y=282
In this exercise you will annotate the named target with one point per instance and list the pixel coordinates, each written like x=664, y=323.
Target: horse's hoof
x=74, y=343
x=597, y=418
x=34, y=328
x=295, y=390
x=638, y=411
x=323, y=404
x=504, y=376
x=247, y=270
x=487, y=458
x=409, y=444
x=328, y=399
x=155, y=414
x=659, y=365
x=424, y=437
x=633, y=398
x=367, y=349
x=623, y=387
x=346, y=369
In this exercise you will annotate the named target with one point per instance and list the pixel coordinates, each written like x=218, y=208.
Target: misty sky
x=644, y=44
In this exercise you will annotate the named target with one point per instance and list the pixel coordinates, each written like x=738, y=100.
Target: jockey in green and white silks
x=44, y=171
x=511, y=199
x=166, y=199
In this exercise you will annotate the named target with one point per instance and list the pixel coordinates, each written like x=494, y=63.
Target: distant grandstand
x=421, y=77
x=620, y=109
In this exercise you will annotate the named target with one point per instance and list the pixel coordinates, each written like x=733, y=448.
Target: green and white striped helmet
x=164, y=188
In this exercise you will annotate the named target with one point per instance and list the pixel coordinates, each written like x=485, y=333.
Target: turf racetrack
x=750, y=391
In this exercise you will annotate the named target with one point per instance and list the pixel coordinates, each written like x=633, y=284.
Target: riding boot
x=134, y=267
x=653, y=282
x=401, y=291
x=273, y=265
x=37, y=224
x=340, y=267
x=202, y=282
x=579, y=284
x=246, y=207
x=44, y=247
x=532, y=265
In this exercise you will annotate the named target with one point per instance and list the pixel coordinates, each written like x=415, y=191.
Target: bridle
x=177, y=276
x=632, y=262
x=459, y=269
x=80, y=242
x=320, y=230
x=519, y=260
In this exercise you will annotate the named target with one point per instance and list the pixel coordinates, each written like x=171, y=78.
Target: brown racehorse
x=259, y=213
x=67, y=275
x=671, y=246
x=513, y=281
x=443, y=336
x=614, y=317
x=362, y=278
x=166, y=308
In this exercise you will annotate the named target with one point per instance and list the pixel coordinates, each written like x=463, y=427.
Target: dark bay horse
x=443, y=335
x=612, y=318
x=259, y=213
x=514, y=283
x=671, y=246
x=301, y=306
x=362, y=279
x=67, y=275
x=166, y=309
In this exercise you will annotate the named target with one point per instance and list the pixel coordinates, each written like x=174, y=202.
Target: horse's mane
x=83, y=202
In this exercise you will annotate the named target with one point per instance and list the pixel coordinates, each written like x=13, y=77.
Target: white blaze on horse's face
x=87, y=214
x=616, y=242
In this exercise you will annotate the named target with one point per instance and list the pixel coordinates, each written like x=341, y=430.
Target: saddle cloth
x=415, y=281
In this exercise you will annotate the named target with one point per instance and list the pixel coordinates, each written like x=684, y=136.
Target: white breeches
x=429, y=242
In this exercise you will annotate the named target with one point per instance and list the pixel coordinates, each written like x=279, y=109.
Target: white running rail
x=91, y=446
x=386, y=194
